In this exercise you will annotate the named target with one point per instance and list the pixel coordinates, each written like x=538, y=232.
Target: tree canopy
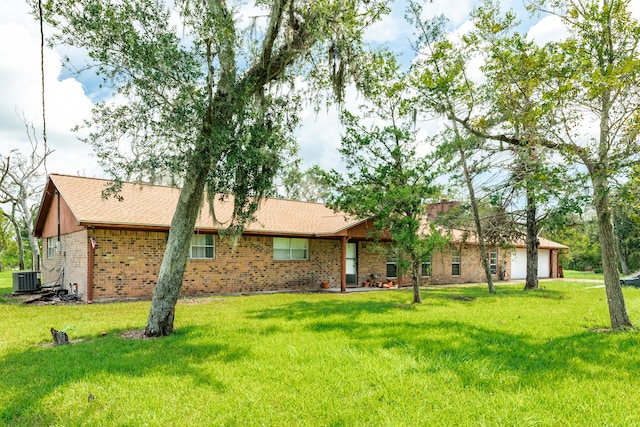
x=387, y=179
x=210, y=96
x=577, y=96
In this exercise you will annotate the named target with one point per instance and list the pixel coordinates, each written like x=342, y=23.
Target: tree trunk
x=622, y=256
x=174, y=261
x=59, y=337
x=476, y=217
x=599, y=179
x=33, y=242
x=624, y=267
x=415, y=266
x=531, y=241
x=19, y=242
x=615, y=298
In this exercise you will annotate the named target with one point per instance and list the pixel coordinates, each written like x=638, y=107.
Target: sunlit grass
x=573, y=274
x=463, y=357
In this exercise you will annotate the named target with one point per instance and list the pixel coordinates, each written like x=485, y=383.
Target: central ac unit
x=26, y=281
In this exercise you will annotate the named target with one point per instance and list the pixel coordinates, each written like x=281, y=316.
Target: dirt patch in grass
x=461, y=298
x=135, y=334
x=601, y=330
x=52, y=344
x=199, y=300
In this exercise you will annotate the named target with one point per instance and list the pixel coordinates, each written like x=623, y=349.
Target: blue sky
x=69, y=101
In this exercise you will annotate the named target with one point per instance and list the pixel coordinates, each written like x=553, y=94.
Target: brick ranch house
x=110, y=249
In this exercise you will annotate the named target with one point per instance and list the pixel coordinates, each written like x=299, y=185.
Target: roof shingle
x=145, y=205
x=154, y=205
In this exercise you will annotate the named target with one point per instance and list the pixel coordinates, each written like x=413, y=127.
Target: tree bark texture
x=415, y=266
x=174, y=261
x=615, y=298
x=476, y=217
x=624, y=266
x=59, y=337
x=531, y=241
x=19, y=242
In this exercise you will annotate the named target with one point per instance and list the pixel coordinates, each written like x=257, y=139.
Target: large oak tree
x=207, y=96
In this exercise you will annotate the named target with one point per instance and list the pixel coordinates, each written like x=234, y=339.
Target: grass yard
x=572, y=274
x=463, y=357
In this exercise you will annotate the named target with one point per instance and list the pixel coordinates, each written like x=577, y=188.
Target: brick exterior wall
x=250, y=267
x=127, y=263
x=471, y=269
x=372, y=259
x=68, y=266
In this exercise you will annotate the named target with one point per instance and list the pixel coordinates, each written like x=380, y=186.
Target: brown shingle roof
x=153, y=206
x=471, y=238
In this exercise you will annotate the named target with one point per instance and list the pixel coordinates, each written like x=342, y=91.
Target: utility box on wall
x=26, y=281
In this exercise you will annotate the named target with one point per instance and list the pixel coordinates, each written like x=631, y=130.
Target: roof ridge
x=284, y=199
x=149, y=184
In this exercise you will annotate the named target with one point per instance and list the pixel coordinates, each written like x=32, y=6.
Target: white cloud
x=21, y=89
x=634, y=7
x=389, y=29
x=319, y=138
x=548, y=29
x=456, y=12
x=67, y=104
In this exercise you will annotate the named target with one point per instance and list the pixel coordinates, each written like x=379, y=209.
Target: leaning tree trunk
x=615, y=298
x=174, y=261
x=476, y=217
x=531, y=241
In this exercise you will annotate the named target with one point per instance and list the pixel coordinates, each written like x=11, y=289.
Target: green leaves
x=386, y=179
x=192, y=85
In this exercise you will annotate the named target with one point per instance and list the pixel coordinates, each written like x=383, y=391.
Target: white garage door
x=544, y=268
x=519, y=264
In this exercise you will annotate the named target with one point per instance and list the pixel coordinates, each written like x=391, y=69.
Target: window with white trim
x=392, y=266
x=285, y=248
x=425, y=266
x=493, y=261
x=51, y=247
x=455, y=261
x=202, y=246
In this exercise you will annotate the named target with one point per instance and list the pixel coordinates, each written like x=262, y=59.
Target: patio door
x=352, y=264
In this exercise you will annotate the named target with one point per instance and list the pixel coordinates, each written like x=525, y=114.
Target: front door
x=352, y=264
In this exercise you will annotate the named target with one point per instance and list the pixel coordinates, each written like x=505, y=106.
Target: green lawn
x=573, y=274
x=463, y=357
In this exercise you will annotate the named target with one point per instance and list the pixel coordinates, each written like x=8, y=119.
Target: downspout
x=343, y=264
x=58, y=198
x=93, y=245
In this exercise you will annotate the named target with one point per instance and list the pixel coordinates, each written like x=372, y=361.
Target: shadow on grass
x=400, y=300
x=509, y=291
x=4, y=296
x=27, y=377
x=477, y=354
x=321, y=308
